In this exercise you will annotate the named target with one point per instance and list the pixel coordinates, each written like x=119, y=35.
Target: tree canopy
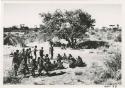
x=67, y=25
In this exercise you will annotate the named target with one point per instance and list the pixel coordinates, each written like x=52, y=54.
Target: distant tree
x=111, y=26
x=42, y=28
x=68, y=25
x=14, y=28
x=118, y=38
x=104, y=29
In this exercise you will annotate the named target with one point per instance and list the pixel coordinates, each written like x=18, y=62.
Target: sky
x=28, y=13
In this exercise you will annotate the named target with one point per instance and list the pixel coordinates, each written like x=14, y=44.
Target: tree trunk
x=69, y=42
x=72, y=42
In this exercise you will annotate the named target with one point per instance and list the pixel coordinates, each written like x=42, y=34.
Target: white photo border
x=65, y=86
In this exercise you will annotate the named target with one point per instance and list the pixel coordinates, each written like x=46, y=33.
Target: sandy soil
x=66, y=76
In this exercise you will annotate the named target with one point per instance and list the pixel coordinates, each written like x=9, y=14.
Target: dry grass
x=11, y=79
x=114, y=65
x=110, y=74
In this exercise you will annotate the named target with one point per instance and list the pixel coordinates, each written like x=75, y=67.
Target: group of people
x=24, y=62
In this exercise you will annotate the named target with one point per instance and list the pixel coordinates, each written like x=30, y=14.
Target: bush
x=114, y=65
x=92, y=44
x=13, y=40
x=118, y=38
x=78, y=73
x=11, y=79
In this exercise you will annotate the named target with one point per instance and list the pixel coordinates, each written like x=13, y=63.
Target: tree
x=68, y=25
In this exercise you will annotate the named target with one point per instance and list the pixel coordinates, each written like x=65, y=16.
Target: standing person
x=22, y=66
x=33, y=66
x=50, y=42
x=24, y=63
x=40, y=65
x=29, y=55
x=18, y=57
x=51, y=51
x=35, y=52
x=23, y=54
x=41, y=52
x=15, y=63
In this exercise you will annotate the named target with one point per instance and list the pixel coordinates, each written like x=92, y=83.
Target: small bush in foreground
x=113, y=65
x=10, y=79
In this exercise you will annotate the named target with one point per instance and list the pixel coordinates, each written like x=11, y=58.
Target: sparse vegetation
x=14, y=40
x=113, y=65
x=11, y=79
x=89, y=43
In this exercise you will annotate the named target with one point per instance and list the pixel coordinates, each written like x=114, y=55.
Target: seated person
x=55, y=64
x=64, y=57
x=72, y=62
x=69, y=57
x=60, y=65
x=47, y=64
x=79, y=62
x=59, y=58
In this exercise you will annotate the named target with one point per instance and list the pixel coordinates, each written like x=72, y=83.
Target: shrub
x=114, y=65
x=78, y=73
x=13, y=40
x=11, y=79
x=118, y=38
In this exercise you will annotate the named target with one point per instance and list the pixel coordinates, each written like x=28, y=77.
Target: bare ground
x=94, y=58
